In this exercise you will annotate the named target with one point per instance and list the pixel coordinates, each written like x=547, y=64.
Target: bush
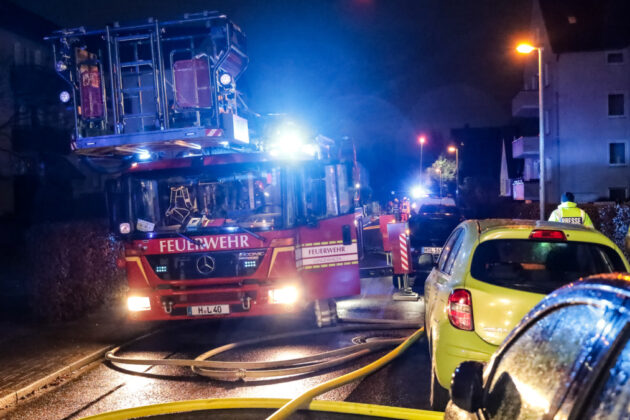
x=71, y=269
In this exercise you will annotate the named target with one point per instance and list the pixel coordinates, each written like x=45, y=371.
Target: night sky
x=379, y=71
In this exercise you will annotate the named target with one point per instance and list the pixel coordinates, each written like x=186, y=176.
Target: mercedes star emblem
x=205, y=264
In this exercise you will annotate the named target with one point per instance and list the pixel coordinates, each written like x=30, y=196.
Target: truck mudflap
x=327, y=258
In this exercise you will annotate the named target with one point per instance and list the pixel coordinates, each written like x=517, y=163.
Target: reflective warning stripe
x=214, y=132
x=404, y=252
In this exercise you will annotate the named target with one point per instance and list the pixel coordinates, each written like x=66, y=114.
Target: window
x=251, y=198
x=540, y=267
x=546, y=122
x=546, y=74
x=448, y=267
x=617, y=194
x=447, y=249
x=617, y=153
x=38, y=57
x=616, y=102
x=539, y=364
x=614, y=57
x=18, y=54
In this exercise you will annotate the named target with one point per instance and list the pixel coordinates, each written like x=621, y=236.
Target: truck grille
x=206, y=265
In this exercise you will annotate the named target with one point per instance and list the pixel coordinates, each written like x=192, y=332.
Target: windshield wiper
x=189, y=239
x=254, y=234
x=182, y=232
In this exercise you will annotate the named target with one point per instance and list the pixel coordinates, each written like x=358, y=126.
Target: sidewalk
x=33, y=356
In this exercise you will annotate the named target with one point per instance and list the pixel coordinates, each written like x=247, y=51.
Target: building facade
x=586, y=78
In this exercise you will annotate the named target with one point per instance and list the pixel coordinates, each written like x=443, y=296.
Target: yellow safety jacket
x=569, y=212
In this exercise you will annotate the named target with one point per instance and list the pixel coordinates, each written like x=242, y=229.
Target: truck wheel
x=325, y=312
x=439, y=395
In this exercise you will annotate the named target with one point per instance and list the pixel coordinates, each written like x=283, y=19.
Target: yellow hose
x=306, y=397
x=342, y=407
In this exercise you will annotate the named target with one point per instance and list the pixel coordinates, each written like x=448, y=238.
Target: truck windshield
x=540, y=267
x=250, y=199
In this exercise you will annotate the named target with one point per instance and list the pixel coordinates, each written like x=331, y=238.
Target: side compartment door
x=326, y=249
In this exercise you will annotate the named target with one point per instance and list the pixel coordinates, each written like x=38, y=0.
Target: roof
x=20, y=21
x=586, y=25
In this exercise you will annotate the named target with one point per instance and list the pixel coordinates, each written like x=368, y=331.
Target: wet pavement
x=106, y=387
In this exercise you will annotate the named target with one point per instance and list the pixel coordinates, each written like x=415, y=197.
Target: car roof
x=620, y=282
x=490, y=229
x=492, y=224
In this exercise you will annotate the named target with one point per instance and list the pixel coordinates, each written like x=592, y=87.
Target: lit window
x=617, y=153
x=616, y=104
x=614, y=57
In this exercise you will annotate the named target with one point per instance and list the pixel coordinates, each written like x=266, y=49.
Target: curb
x=12, y=399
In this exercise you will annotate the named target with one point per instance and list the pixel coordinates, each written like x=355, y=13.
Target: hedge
x=609, y=218
x=71, y=269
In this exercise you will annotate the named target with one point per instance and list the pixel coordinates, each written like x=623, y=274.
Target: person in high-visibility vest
x=569, y=212
x=406, y=209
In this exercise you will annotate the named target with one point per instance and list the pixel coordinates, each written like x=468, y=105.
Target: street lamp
x=453, y=149
x=421, y=140
x=526, y=49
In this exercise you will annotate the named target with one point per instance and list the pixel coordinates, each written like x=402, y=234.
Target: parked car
x=490, y=274
x=568, y=358
x=428, y=231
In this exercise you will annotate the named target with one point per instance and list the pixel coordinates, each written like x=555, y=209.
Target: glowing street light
x=525, y=48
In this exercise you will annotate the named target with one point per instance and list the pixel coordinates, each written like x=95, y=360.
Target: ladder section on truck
x=155, y=86
x=136, y=86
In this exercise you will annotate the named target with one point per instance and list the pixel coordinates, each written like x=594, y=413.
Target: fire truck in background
x=214, y=223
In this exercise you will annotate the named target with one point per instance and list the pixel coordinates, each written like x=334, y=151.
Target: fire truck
x=215, y=223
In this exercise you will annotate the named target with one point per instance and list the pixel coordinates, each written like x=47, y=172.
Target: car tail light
x=460, y=309
x=548, y=235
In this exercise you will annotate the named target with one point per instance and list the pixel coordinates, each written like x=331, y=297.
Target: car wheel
x=439, y=395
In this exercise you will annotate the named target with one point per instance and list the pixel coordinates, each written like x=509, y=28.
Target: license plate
x=208, y=310
x=431, y=250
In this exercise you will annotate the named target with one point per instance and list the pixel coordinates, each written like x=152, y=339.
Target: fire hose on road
x=226, y=371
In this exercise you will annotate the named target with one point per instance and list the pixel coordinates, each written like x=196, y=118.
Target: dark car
x=569, y=358
x=430, y=227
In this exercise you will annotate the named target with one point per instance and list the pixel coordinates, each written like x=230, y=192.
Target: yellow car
x=490, y=274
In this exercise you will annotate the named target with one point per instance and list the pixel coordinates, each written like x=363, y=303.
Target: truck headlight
x=138, y=303
x=286, y=295
x=124, y=228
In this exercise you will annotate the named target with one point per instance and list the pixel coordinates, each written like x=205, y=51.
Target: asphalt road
x=106, y=387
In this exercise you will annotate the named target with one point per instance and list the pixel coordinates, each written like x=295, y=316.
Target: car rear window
x=431, y=230
x=538, y=266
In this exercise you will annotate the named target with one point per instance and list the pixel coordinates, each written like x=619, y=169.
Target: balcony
x=525, y=104
x=525, y=147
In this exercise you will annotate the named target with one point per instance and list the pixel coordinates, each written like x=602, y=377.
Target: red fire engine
x=215, y=224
